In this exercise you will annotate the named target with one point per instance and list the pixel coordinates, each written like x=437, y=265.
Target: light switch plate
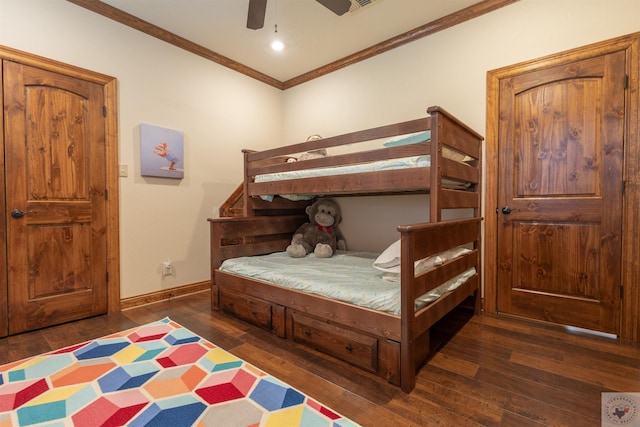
x=123, y=170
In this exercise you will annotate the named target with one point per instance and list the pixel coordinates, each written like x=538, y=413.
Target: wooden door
x=560, y=145
x=55, y=197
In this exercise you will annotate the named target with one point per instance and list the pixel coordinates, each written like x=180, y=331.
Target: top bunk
x=438, y=154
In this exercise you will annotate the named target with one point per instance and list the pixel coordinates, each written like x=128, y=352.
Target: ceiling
x=313, y=35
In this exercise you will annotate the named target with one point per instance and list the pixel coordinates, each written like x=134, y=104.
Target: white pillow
x=389, y=260
x=414, y=138
x=455, y=155
x=439, y=259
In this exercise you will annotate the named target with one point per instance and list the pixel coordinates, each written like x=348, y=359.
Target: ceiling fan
x=257, y=9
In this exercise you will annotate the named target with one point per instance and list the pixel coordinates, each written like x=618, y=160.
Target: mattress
x=378, y=166
x=347, y=276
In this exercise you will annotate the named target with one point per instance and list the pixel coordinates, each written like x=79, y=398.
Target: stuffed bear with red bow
x=321, y=234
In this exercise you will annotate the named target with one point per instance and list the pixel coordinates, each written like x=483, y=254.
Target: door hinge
x=107, y=276
x=621, y=291
x=626, y=81
x=623, y=187
x=104, y=110
x=106, y=194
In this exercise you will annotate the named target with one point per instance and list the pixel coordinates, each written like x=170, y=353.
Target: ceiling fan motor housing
x=258, y=8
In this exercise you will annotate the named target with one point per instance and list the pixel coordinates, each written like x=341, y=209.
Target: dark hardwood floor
x=489, y=371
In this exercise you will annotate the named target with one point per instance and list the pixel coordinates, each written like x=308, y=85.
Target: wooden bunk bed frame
x=393, y=347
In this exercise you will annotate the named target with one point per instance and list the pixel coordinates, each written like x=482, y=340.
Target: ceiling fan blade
x=255, y=17
x=339, y=7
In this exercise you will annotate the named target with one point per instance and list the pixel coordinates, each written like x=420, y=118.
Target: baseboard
x=163, y=295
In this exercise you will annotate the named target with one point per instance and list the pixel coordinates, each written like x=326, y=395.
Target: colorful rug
x=160, y=374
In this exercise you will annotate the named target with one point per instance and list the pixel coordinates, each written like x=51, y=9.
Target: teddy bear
x=321, y=234
x=310, y=155
x=313, y=154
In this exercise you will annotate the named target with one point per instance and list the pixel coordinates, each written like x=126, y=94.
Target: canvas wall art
x=161, y=152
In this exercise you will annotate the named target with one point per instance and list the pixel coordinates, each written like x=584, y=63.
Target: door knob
x=506, y=210
x=19, y=213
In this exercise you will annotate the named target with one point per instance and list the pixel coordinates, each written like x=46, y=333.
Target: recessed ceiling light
x=277, y=45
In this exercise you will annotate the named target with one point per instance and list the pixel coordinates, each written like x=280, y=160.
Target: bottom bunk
x=387, y=335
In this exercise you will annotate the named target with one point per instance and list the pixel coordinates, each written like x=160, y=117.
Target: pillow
x=389, y=260
x=412, y=138
x=439, y=259
x=456, y=155
x=415, y=138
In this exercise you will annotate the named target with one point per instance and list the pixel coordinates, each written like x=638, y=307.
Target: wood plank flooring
x=487, y=370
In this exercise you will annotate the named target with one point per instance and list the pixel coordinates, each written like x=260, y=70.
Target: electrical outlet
x=167, y=268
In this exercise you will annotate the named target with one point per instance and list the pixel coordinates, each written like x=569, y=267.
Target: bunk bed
x=438, y=155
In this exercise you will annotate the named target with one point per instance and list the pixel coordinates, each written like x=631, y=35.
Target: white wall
x=448, y=69
x=165, y=86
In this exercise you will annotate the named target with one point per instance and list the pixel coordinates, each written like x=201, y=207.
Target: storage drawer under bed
x=261, y=313
x=345, y=344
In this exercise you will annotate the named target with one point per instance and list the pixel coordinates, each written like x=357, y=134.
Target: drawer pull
x=307, y=333
x=349, y=348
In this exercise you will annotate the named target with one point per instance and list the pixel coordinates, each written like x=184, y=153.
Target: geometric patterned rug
x=159, y=374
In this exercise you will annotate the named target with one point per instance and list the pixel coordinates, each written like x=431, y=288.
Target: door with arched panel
x=561, y=134
x=56, y=198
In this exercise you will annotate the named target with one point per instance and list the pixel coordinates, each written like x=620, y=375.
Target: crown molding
x=440, y=24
